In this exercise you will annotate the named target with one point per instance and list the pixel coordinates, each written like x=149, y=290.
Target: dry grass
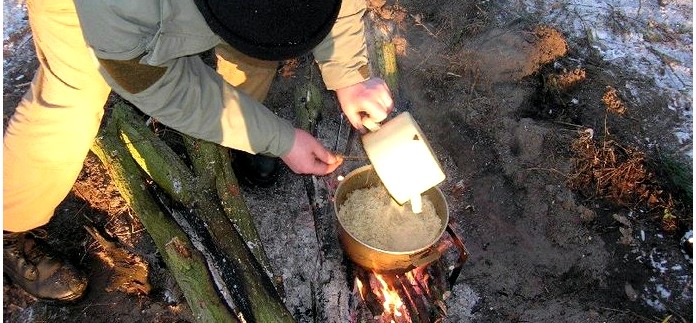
x=289, y=68
x=607, y=170
x=613, y=102
x=566, y=80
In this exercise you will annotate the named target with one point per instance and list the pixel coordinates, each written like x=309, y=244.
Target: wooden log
x=418, y=307
x=386, y=62
x=382, y=51
x=331, y=273
x=155, y=157
x=308, y=107
x=184, y=262
x=368, y=296
x=212, y=165
x=252, y=290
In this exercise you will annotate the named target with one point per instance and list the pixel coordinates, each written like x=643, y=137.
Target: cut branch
x=212, y=165
x=252, y=290
x=185, y=263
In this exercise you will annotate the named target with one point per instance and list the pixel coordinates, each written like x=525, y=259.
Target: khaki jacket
x=162, y=38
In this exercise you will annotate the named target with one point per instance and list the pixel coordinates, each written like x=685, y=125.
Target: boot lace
x=26, y=244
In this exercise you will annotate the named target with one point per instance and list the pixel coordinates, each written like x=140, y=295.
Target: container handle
x=433, y=253
x=370, y=125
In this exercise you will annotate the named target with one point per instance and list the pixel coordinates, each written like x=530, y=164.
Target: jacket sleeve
x=191, y=97
x=342, y=55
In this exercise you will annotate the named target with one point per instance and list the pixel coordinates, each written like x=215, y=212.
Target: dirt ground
x=501, y=99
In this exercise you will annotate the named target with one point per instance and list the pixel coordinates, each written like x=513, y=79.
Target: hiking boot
x=30, y=263
x=255, y=170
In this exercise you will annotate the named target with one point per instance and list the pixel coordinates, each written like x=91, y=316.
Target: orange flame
x=412, y=278
x=392, y=301
x=361, y=289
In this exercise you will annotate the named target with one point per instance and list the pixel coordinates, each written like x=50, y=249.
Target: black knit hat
x=271, y=29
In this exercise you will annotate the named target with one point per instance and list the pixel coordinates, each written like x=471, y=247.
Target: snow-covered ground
x=650, y=38
x=653, y=39
x=13, y=17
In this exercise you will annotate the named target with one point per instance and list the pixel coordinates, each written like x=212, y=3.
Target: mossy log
x=252, y=289
x=213, y=167
x=308, y=106
x=185, y=263
x=386, y=61
x=380, y=36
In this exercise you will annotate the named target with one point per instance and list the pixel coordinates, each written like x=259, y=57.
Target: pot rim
x=369, y=167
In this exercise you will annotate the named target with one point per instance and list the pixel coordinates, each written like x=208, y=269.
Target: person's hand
x=308, y=156
x=369, y=99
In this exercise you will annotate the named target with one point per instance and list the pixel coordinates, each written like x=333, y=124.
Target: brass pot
x=379, y=260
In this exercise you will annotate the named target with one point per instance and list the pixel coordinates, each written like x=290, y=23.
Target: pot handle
x=423, y=258
x=433, y=253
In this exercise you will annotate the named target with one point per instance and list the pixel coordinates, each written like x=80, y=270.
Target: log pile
x=209, y=194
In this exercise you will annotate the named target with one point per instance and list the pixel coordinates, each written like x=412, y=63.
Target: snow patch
x=14, y=13
x=657, y=262
x=642, y=36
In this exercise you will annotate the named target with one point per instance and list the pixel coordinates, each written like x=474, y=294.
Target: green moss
x=676, y=177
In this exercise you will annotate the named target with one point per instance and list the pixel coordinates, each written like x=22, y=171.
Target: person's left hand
x=369, y=99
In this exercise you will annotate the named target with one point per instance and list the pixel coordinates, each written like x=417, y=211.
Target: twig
x=419, y=22
x=353, y=157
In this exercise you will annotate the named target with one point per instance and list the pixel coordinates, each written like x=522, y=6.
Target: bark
x=252, y=290
x=159, y=161
x=308, y=106
x=185, y=263
x=213, y=167
x=380, y=34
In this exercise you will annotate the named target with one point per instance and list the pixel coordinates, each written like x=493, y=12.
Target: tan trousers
x=53, y=127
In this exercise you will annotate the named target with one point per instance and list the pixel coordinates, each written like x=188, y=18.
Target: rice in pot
x=371, y=217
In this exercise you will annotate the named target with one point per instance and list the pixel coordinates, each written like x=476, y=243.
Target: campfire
x=417, y=295
x=392, y=285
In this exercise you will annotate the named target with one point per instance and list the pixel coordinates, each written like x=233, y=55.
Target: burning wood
x=410, y=297
x=415, y=296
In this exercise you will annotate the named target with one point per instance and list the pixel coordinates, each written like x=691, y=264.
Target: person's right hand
x=308, y=156
x=370, y=99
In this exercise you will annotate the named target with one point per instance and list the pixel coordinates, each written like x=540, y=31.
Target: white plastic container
x=402, y=158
